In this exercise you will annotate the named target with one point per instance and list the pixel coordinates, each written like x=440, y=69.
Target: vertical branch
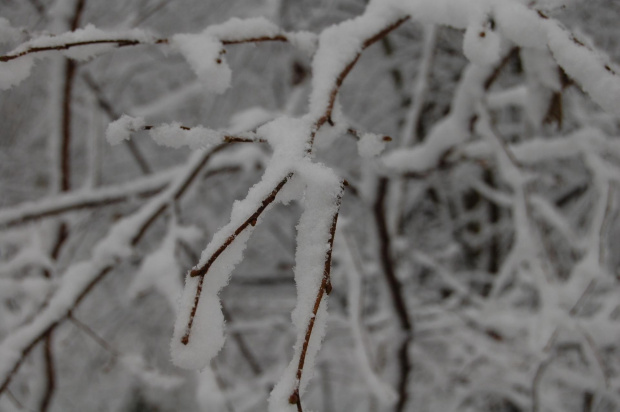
x=420, y=88
x=65, y=147
x=410, y=133
x=398, y=299
x=325, y=287
x=64, y=185
x=49, y=371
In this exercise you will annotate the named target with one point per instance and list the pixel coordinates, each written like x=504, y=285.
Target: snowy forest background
x=474, y=263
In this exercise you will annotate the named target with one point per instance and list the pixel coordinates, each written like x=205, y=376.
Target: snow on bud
x=204, y=54
x=122, y=128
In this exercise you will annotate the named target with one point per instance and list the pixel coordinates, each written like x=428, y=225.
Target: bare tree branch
x=324, y=288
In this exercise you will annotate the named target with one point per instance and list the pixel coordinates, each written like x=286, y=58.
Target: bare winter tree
x=444, y=173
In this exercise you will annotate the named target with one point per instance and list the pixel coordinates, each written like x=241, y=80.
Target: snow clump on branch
x=122, y=128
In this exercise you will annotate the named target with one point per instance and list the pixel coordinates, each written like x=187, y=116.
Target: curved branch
x=326, y=118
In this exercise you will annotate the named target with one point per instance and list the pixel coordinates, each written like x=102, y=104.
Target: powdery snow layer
x=371, y=145
x=205, y=55
x=173, y=135
x=122, y=128
x=237, y=29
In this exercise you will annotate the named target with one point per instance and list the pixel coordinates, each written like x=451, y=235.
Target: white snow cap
x=205, y=54
x=175, y=136
x=122, y=128
x=481, y=44
x=237, y=29
x=371, y=145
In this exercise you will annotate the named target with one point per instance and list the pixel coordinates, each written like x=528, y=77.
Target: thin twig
x=603, y=230
x=70, y=45
x=260, y=39
x=14, y=399
x=326, y=118
x=244, y=348
x=131, y=42
x=93, y=335
x=113, y=114
x=202, y=271
x=49, y=372
x=324, y=288
x=249, y=221
x=396, y=292
x=225, y=138
x=65, y=186
x=513, y=53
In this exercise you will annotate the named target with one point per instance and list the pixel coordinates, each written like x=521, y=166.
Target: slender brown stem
x=113, y=114
x=65, y=186
x=261, y=39
x=131, y=42
x=512, y=54
x=65, y=155
x=70, y=45
x=396, y=292
x=49, y=371
x=325, y=288
x=202, y=271
x=249, y=221
x=225, y=138
x=326, y=118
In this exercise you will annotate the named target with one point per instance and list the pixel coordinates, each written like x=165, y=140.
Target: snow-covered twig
x=202, y=270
